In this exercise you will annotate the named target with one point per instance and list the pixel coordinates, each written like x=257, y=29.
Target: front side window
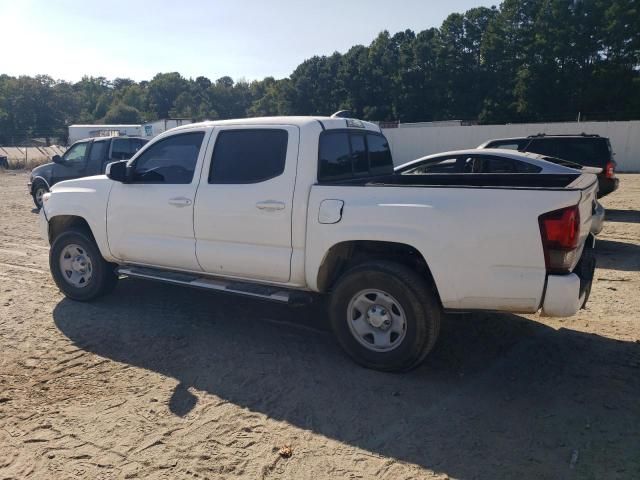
x=76, y=154
x=248, y=155
x=171, y=160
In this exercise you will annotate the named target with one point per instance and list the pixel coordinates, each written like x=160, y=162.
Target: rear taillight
x=560, y=231
x=610, y=170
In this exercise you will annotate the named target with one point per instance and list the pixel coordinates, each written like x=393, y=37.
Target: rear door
x=242, y=217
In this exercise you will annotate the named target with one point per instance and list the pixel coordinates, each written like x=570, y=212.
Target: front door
x=73, y=163
x=244, y=202
x=150, y=220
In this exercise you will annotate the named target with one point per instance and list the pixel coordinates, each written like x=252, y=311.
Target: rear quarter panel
x=482, y=245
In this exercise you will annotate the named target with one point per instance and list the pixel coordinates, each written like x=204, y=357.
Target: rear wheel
x=385, y=316
x=37, y=192
x=78, y=268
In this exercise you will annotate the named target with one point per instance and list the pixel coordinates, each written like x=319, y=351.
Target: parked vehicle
x=500, y=161
x=286, y=208
x=84, y=158
x=583, y=149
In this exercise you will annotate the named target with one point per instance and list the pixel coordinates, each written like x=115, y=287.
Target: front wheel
x=385, y=316
x=78, y=268
x=39, y=189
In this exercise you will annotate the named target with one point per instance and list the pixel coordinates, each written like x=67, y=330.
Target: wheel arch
x=347, y=254
x=39, y=179
x=61, y=223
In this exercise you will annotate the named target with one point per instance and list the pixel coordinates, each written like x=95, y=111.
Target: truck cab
x=84, y=158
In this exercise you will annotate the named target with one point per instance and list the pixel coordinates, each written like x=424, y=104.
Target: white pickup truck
x=287, y=207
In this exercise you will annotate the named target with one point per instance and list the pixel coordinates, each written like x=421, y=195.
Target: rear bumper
x=566, y=294
x=597, y=219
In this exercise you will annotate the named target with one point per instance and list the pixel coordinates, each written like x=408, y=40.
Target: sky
x=247, y=39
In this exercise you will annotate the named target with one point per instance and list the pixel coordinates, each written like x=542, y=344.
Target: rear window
x=590, y=151
x=345, y=154
x=507, y=144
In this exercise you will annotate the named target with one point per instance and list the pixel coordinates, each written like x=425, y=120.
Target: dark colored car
x=83, y=159
x=583, y=149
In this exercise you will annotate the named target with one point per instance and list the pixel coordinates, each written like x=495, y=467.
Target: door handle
x=270, y=205
x=180, y=201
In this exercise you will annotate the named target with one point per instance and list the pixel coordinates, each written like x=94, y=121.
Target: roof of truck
x=325, y=122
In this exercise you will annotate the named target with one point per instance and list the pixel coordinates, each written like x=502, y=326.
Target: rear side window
x=344, y=154
x=543, y=147
x=359, y=155
x=590, y=151
x=170, y=160
x=380, y=162
x=593, y=152
x=248, y=155
x=506, y=165
x=335, y=157
x=440, y=165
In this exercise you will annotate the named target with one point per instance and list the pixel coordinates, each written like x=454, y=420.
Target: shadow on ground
x=501, y=396
x=615, y=255
x=617, y=215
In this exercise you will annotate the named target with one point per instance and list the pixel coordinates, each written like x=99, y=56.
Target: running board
x=265, y=292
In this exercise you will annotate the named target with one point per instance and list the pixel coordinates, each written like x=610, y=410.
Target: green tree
x=120, y=113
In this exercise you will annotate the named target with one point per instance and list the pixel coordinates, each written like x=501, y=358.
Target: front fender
x=85, y=198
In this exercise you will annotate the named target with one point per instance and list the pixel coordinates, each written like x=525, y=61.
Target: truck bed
x=477, y=180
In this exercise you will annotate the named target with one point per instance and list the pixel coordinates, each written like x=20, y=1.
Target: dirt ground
x=162, y=382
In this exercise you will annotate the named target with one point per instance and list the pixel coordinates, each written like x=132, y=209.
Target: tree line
x=524, y=61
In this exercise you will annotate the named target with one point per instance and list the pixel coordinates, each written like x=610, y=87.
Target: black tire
x=418, y=300
x=36, y=188
x=103, y=277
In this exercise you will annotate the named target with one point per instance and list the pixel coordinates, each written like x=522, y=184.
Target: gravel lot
x=162, y=382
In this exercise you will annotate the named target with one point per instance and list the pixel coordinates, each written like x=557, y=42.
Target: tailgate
x=587, y=183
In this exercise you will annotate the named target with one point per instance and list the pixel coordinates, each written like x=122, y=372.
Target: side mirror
x=56, y=159
x=118, y=171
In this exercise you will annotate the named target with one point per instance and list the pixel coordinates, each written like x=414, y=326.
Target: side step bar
x=265, y=292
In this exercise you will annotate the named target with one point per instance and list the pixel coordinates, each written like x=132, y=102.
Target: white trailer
x=78, y=132
x=151, y=129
